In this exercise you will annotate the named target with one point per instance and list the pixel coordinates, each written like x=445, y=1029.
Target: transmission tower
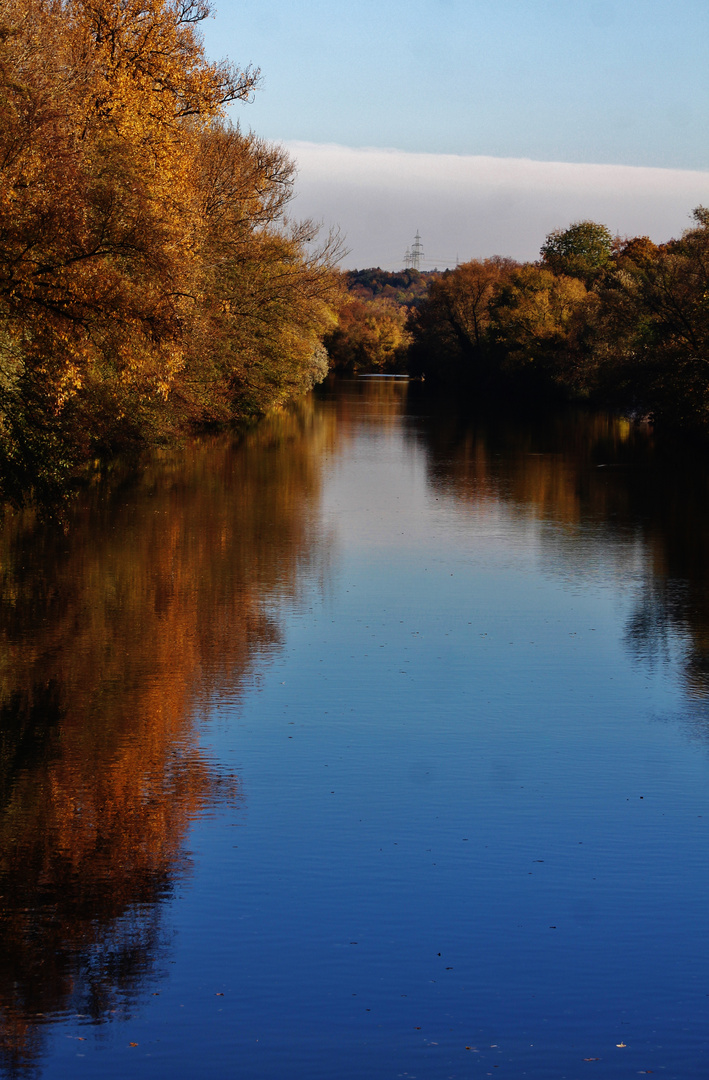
x=414, y=255
x=416, y=252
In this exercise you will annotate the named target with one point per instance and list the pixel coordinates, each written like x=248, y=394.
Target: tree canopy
x=583, y=250
x=149, y=277
x=623, y=322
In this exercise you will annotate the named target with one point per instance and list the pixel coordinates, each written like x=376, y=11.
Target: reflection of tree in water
x=658, y=615
x=601, y=478
x=157, y=597
x=380, y=401
x=561, y=466
x=675, y=602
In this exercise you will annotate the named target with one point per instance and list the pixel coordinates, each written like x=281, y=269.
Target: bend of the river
x=371, y=743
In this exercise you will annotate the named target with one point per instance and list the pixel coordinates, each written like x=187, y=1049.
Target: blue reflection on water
x=473, y=834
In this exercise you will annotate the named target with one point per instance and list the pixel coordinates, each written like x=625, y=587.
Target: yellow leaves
x=150, y=50
x=534, y=313
x=146, y=264
x=69, y=384
x=370, y=335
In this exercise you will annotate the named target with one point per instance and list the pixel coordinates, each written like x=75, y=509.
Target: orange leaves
x=146, y=269
x=451, y=324
x=371, y=335
x=151, y=48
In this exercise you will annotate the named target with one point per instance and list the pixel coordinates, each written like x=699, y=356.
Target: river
x=371, y=743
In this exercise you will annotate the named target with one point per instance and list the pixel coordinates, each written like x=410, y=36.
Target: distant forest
x=404, y=287
x=372, y=330
x=615, y=321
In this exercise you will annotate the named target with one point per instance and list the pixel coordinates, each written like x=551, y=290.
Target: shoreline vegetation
x=619, y=323
x=152, y=283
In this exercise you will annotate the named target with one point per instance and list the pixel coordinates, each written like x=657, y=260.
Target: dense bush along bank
x=371, y=333
x=149, y=278
x=616, y=321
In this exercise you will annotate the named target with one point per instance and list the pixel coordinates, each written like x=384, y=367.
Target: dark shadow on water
x=590, y=470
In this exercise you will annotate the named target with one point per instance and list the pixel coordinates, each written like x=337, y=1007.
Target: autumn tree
x=114, y=273
x=536, y=323
x=450, y=325
x=370, y=336
x=267, y=291
x=652, y=336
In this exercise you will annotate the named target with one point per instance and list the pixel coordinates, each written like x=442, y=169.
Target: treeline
x=614, y=321
x=404, y=287
x=372, y=332
x=149, y=278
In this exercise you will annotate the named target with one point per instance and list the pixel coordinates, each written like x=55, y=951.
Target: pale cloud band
x=473, y=207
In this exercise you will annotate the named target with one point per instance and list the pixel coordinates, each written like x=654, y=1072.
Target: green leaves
x=584, y=250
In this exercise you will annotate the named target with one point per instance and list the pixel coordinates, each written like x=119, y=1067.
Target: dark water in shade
x=373, y=744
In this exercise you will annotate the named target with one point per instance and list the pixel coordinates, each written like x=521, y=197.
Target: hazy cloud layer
x=473, y=207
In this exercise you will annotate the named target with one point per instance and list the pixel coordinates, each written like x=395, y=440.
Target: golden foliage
x=535, y=319
x=144, y=250
x=370, y=336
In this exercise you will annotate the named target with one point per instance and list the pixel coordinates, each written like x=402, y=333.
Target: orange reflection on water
x=160, y=594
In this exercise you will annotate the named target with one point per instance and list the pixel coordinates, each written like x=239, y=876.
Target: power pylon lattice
x=414, y=255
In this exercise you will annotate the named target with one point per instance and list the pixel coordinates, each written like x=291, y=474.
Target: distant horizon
x=476, y=206
x=538, y=109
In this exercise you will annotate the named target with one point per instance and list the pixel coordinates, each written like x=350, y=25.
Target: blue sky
x=603, y=82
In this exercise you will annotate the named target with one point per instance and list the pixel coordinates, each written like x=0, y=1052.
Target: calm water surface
x=372, y=744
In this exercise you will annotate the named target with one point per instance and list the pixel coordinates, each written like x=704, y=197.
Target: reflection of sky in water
x=471, y=831
x=456, y=754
